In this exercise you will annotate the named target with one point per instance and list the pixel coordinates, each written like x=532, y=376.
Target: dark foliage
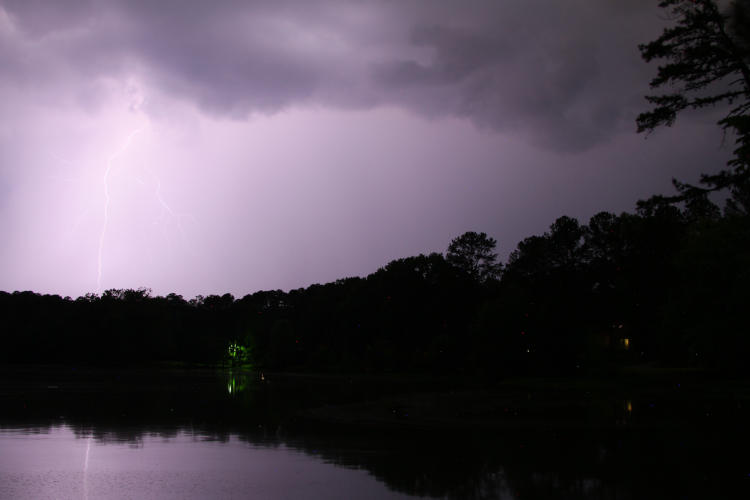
x=707, y=56
x=664, y=285
x=473, y=254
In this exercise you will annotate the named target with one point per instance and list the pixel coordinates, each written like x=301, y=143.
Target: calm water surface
x=76, y=433
x=59, y=462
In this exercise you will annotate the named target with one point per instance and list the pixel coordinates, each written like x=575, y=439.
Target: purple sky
x=245, y=145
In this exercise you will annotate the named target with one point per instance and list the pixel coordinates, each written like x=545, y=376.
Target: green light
x=238, y=353
x=236, y=383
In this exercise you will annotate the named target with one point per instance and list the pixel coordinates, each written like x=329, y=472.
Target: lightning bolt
x=168, y=209
x=103, y=233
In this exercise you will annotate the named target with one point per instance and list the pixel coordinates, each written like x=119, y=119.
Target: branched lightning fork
x=103, y=233
x=165, y=207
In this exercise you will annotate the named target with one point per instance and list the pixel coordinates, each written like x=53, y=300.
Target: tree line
x=664, y=285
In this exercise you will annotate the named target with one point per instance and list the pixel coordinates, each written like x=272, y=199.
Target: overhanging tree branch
x=707, y=64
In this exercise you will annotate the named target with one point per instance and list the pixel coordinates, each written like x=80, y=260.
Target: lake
x=111, y=434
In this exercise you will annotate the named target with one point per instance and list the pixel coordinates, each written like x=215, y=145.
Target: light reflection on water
x=233, y=434
x=60, y=463
x=238, y=381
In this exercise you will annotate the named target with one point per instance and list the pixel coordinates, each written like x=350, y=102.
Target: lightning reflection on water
x=85, y=469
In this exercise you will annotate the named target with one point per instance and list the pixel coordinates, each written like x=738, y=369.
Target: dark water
x=107, y=434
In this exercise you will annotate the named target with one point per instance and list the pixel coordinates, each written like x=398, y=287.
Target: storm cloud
x=560, y=74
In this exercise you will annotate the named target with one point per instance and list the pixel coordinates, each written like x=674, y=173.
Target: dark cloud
x=38, y=18
x=567, y=85
x=560, y=74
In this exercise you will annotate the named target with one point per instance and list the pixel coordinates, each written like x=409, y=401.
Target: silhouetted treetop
x=473, y=253
x=560, y=248
x=707, y=58
x=702, y=51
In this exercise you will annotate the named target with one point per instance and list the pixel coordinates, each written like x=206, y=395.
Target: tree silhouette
x=473, y=253
x=708, y=63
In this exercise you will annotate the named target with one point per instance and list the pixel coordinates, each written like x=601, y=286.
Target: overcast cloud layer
x=205, y=147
